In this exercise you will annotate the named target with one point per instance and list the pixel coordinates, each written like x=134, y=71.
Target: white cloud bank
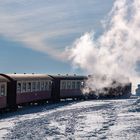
x=25, y=22
x=116, y=52
x=35, y=23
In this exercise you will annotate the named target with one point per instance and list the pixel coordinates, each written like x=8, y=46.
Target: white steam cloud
x=116, y=52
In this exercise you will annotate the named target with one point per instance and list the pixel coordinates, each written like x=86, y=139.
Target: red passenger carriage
x=32, y=87
x=69, y=86
x=3, y=92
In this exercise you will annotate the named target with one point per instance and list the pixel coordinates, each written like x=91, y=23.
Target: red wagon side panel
x=68, y=93
x=3, y=102
x=32, y=96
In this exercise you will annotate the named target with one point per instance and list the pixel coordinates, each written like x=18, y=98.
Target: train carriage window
x=29, y=86
x=42, y=85
x=33, y=86
x=46, y=85
x=38, y=86
x=63, y=85
x=68, y=84
x=78, y=84
x=82, y=84
x=50, y=85
x=2, y=90
x=19, y=88
x=24, y=87
x=73, y=84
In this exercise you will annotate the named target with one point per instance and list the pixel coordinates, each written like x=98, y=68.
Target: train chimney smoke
x=116, y=52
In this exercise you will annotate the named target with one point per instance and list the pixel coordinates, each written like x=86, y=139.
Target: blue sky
x=33, y=33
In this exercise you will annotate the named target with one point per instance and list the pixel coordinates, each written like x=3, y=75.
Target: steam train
x=20, y=89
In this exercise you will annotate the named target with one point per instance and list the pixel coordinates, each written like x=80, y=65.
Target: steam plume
x=116, y=52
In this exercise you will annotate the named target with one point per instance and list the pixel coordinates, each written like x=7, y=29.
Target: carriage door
x=56, y=90
x=11, y=94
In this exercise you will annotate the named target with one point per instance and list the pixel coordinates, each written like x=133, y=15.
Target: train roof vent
x=24, y=73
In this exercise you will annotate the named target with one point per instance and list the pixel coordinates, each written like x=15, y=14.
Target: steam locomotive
x=21, y=89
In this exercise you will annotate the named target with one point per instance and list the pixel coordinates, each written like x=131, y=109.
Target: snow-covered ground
x=84, y=120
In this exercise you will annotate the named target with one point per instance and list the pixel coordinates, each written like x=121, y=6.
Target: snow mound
x=135, y=106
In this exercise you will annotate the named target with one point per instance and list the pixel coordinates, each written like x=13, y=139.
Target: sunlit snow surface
x=84, y=120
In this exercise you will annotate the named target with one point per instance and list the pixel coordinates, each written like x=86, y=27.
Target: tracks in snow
x=78, y=120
